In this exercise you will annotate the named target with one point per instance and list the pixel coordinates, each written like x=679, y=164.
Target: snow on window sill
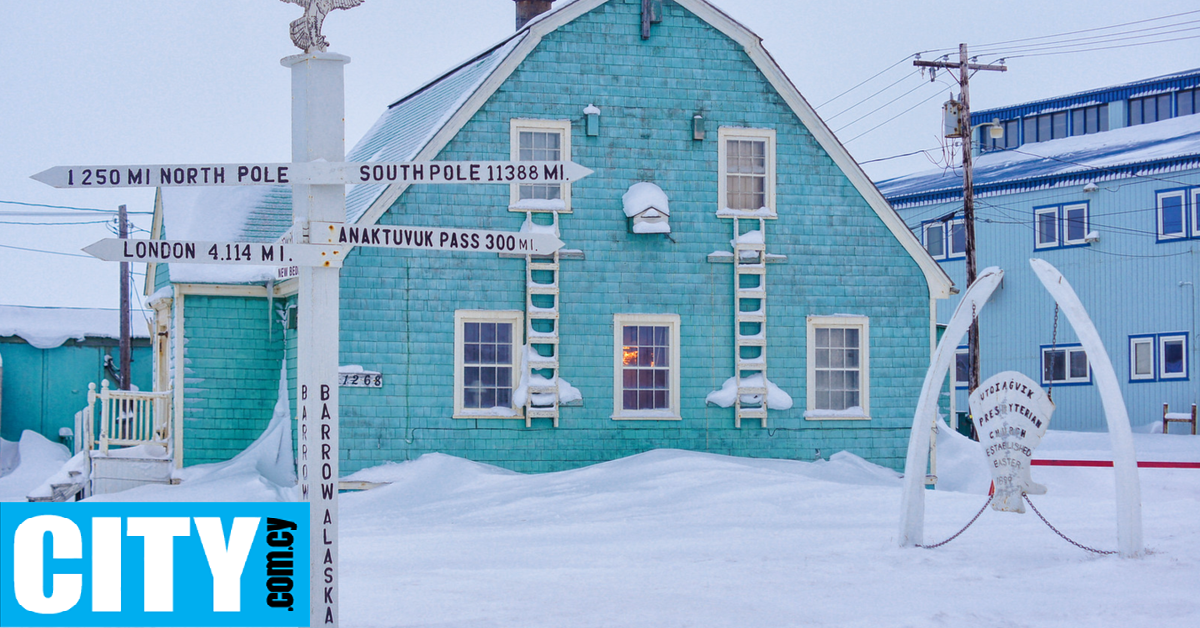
x=761, y=212
x=497, y=412
x=855, y=413
x=647, y=415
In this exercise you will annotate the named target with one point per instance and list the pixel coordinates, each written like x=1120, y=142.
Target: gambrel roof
x=420, y=125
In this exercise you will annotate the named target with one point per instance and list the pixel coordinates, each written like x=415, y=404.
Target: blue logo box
x=154, y=564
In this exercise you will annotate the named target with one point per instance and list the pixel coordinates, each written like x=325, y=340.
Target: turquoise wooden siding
x=398, y=306
x=44, y=388
x=231, y=375
x=1130, y=284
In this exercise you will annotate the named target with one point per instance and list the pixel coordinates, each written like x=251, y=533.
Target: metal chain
x=1080, y=546
x=964, y=528
x=1053, y=355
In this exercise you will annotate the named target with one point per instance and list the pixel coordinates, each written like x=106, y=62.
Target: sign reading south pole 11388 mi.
x=312, y=173
x=1011, y=414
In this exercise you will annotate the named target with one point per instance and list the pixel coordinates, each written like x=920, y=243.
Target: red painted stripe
x=1145, y=464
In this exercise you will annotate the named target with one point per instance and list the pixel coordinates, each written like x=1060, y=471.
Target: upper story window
x=1088, y=120
x=962, y=367
x=946, y=239
x=747, y=171
x=1060, y=225
x=1177, y=214
x=540, y=140
x=1187, y=102
x=1149, y=109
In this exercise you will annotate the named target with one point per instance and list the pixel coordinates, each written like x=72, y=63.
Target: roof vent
x=529, y=9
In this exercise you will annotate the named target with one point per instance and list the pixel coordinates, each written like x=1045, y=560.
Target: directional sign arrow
x=194, y=252
x=435, y=238
x=312, y=173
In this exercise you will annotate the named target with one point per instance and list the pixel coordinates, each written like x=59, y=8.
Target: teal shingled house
x=731, y=281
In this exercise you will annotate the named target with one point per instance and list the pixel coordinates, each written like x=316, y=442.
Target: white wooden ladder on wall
x=750, y=322
x=541, y=330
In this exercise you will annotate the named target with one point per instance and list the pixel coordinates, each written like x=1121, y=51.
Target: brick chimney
x=529, y=9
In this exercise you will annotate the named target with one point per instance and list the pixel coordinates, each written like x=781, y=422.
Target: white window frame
x=1158, y=214
x=962, y=351
x=1067, y=350
x=517, y=319
x=724, y=134
x=1038, y=212
x=620, y=321
x=1195, y=213
x=1064, y=232
x=516, y=125
x=926, y=238
x=1160, y=349
x=846, y=321
x=949, y=231
x=1151, y=342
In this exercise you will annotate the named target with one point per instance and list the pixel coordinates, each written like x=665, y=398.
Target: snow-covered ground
x=673, y=538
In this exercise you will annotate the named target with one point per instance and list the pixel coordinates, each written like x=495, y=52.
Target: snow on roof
x=264, y=213
x=645, y=195
x=49, y=327
x=1096, y=154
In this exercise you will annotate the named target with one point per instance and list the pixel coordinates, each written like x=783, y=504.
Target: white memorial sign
x=435, y=238
x=312, y=173
x=1011, y=414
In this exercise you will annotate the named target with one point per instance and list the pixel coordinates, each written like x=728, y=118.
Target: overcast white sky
x=147, y=81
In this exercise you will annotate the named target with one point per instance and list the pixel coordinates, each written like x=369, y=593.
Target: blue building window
x=1149, y=109
x=1060, y=225
x=962, y=367
x=1173, y=214
x=1065, y=364
x=945, y=238
x=1158, y=357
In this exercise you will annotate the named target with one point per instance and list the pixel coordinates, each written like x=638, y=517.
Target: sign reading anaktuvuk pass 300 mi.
x=312, y=173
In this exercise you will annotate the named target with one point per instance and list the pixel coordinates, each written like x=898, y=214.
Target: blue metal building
x=1105, y=185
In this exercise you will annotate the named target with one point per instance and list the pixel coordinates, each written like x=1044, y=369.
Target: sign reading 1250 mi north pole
x=1011, y=414
x=312, y=173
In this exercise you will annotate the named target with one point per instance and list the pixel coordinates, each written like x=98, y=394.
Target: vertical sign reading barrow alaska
x=1011, y=414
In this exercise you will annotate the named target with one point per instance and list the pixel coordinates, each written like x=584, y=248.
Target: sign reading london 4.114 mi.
x=312, y=173
x=1011, y=414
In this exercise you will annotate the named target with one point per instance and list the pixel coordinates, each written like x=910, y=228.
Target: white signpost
x=318, y=177
x=312, y=173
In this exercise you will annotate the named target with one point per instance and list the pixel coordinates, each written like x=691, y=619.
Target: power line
x=51, y=224
x=935, y=95
x=880, y=73
x=82, y=209
x=1093, y=40
x=915, y=152
x=1067, y=52
x=864, y=100
x=21, y=248
x=1087, y=30
x=877, y=109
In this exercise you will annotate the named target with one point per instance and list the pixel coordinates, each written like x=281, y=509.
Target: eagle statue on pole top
x=306, y=31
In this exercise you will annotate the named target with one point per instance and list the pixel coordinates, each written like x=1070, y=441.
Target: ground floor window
x=486, y=358
x=1065, y=364
x=838, y=367
x=1158, y=357
x=646, y=365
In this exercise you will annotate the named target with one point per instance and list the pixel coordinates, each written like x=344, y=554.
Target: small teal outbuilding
x=731, y=282
x=49, y=355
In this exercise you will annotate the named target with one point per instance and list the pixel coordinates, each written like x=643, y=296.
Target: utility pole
x=126, y=346
x=964, y=131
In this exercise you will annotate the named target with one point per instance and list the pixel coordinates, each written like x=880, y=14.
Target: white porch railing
x=128, y=418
